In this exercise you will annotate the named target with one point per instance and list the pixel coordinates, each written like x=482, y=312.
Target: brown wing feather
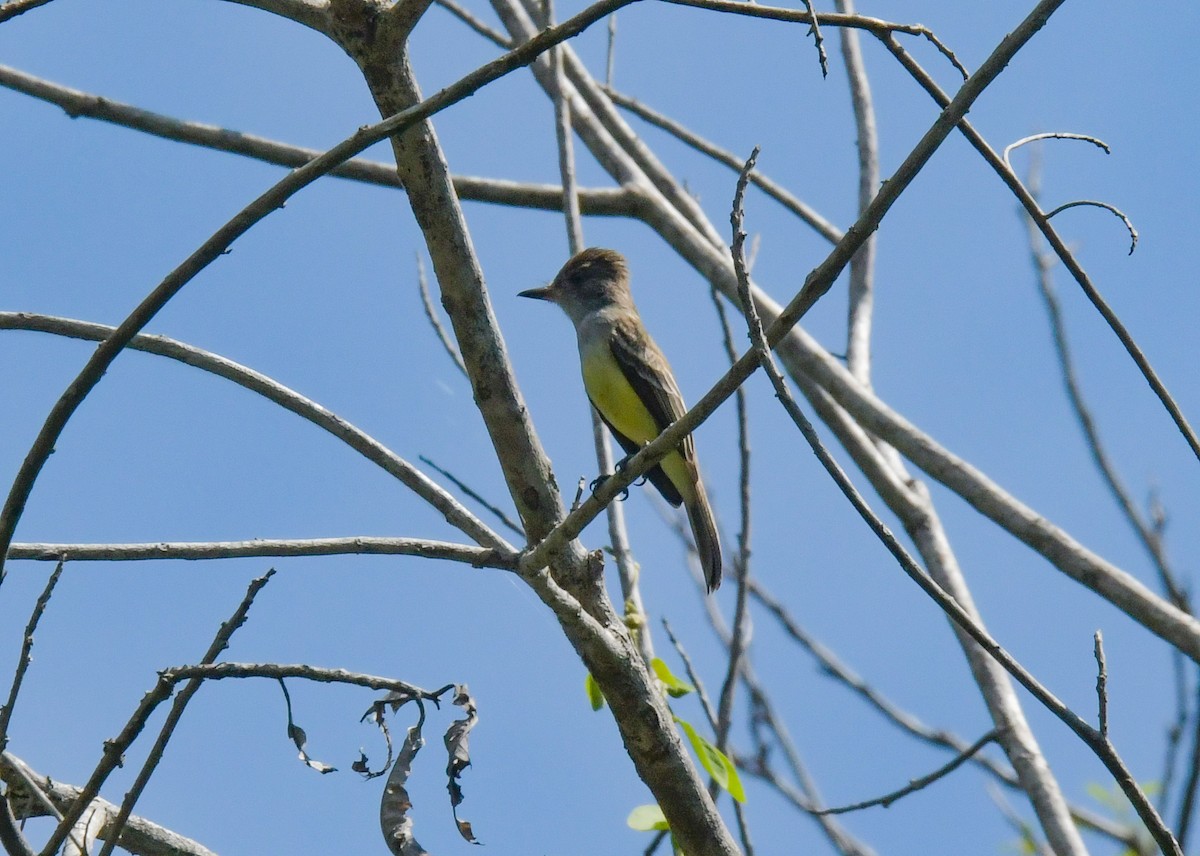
x=648, y=372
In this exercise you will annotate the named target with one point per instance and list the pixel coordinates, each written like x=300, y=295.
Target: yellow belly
x=623, y=409
x=615, y=398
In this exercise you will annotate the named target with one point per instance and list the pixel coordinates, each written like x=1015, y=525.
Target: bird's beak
x=543, y=293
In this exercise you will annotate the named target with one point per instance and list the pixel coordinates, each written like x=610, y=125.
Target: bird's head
x=590, y=280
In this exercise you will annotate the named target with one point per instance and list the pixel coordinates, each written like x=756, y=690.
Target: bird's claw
x=599, y=480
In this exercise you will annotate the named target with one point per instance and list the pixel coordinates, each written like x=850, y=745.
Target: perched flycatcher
x=630, y=383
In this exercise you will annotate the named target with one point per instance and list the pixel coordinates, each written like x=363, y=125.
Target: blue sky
x=322, y=296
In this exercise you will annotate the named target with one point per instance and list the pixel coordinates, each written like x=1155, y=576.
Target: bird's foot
x=599, y=480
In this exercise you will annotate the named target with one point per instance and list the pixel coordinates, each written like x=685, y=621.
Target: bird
x=629, y=382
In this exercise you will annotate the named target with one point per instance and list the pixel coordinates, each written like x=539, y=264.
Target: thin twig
x=1187, y=804
x=742, y=626
x=875, y=26
x=1100, y=746
x=475, y=23
x=1102, y=688
x=1133, y=233
x=26, y=657
x=435, y=321
x=776, y=191
x=454, y=512
x=710, y=712
x=1057, y=244
x=862, y=266
x=740, y=638
x=919, y=783
x=1150, y=539
x=1052, y=135
x=154, y=756
x=610, y=59
x=814, y=29
x=471, y=493
x=832, y=665
x=279, y=671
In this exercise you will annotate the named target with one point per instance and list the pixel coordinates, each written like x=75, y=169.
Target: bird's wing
x=648, y=372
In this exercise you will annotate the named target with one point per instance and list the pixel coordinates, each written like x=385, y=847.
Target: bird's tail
x=704, y=530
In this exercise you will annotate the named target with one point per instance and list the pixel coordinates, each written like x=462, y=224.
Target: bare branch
x=1058, y=245
x=1146, y=533
x=1096, y=742
x=215, y=246
x=219, y=644
x=814, y=30
x=862, y=266
x=1187, y=804
x=1101, y=686
x=547, y=197
x=114, y=750
x=876, y=26
x=818, y=282
x=710, y=712
x=465, y=15
x=26, y=651
x=18, y=7
x=42, y=795
x=278, y=671
x=919, y=783
x=610, y=60
x=476, y=557
x=455, y=514
x=740, y=634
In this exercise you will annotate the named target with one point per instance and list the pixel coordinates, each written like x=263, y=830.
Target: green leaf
x=716, y=762
x=647, y=818
x=594, y=693
x=676, y=687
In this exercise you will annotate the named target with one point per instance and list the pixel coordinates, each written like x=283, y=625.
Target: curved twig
x=1053, y=135
x=918, y=783
x=455, y=514
x=1098, y=743
x=1133, y=234
x=1060, y=248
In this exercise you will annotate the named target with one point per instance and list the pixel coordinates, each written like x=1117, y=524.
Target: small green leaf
x=676, y=687
x=716, y=762
x=594, y=693
x=647, y=818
